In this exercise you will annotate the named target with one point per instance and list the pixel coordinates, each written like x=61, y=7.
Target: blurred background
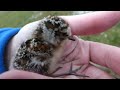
x=20, y=18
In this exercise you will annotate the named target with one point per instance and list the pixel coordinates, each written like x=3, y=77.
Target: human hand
x=81, y=52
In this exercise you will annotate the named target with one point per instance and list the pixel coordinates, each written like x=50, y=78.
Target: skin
x=81, y=52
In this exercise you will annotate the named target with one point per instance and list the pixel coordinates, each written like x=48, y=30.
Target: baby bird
x=41, y=52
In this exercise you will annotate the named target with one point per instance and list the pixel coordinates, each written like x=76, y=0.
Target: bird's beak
x=71, y=38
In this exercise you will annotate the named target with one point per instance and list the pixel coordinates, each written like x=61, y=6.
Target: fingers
x=86, y=70
x=106, y=55
x=98, y=53
x=92, y=23
x=15, y=74
x=91, y=71
x=95, y=73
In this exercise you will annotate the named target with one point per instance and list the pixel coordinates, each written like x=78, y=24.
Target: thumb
x=17, y=74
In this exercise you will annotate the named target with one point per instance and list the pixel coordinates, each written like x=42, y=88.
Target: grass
x=20, y=18
x=110, y=37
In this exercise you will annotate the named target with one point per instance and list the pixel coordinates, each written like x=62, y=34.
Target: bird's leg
x=55, y=70
x=71, y=72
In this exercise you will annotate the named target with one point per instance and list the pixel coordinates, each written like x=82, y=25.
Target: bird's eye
x=49, y=25
x=64, y=34
x=57, y=25
x=57, y=33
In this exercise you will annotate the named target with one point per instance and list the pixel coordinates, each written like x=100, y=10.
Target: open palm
x=80, y=52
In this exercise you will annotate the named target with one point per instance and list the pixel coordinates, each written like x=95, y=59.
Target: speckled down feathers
x=37, y=53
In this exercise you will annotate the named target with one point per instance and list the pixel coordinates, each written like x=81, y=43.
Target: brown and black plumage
x=41, y=52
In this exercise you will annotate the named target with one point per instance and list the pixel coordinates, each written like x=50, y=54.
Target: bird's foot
x=71, y=72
